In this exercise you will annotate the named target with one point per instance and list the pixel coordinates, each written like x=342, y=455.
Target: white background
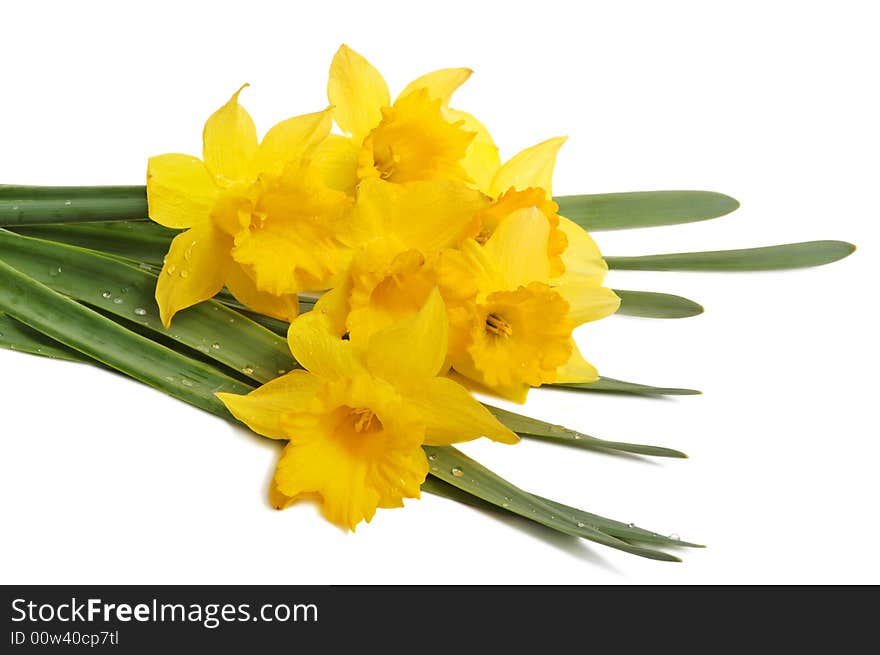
x=103, y=480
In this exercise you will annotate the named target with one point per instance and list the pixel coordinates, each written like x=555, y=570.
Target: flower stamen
x=364, y=420
x=498, y=326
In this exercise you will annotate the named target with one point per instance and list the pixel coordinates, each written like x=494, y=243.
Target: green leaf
x=127, y=291
x=535, y=429
x=610, y=385
x=625, y=531
x=649, y=304
x=459, y=470
x=30, y=205
x=767, y=258
x=141, y=241
x=618, y=211
x=85, y=330
x=19, y=337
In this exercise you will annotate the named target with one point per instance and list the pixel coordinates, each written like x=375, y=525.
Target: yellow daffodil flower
x=418, y=137
x=525, y=183
x=401, y=230
x=356, y=418
x=257, y=215
x=519, y=331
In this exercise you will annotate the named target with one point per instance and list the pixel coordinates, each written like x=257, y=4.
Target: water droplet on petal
x=187, y=255
x=184, y=274
x=171, y=268
x=457, y=472
x=140, y=311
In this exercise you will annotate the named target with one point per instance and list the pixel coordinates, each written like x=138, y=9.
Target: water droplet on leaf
x=457, y=472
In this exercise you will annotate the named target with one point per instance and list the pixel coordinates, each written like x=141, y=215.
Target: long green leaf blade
x=619, y=211
x=19, y=337
x=648, y=304
x=610, y=385
x=29, y=205
x=459, y=470
x=625, y=531
x=536, y=429
x=126, y=291
x=141, y=241
x=766, y=258
x=85, y=330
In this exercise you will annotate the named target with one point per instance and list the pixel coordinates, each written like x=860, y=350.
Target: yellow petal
x=347, y=483
x=332, y=308
x=337, y=160
x=359, y=448
x=242, y=286
x=262, y=409
x=452, y=415
x=292, y=246
x=414, y=141
x=277, y=498
x=482, y=160
x=440, y=83
x=180, y=191
x=194, y=269
x=587, y=302
x=427, y=215
x=414, y=349
x=357, y=91
x=320, y=351
x=516, y=392
x=577, y=369
x=388, y=284
x=518, y=247
x=291, y=139
x=581, y=256
x=531, y=167
x=230, y=141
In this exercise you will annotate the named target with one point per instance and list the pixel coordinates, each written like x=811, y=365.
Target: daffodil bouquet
x=346, y=283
